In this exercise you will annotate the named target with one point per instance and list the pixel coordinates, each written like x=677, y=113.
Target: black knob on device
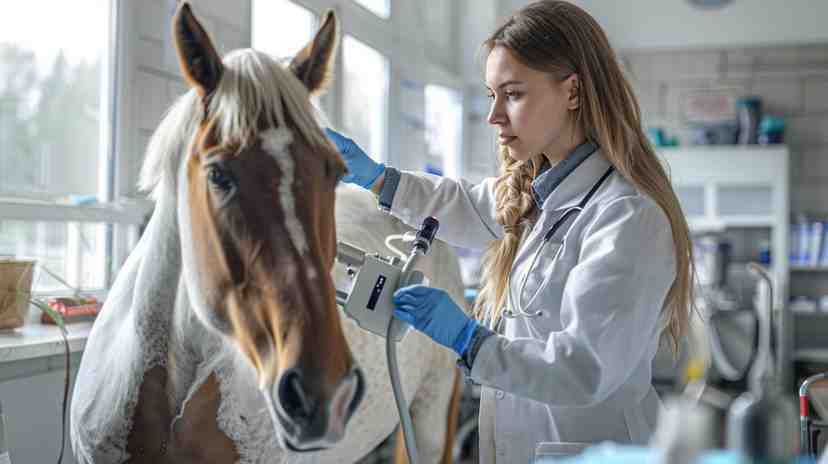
x=427, y=232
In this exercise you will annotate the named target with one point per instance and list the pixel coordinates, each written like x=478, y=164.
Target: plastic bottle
x=749, y=112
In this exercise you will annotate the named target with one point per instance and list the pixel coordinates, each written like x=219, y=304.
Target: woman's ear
x=573, y=84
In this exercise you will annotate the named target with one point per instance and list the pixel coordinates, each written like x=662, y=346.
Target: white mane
x=254, y=87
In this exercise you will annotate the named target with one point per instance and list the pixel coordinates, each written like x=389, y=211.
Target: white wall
x=634, y=24
x=478, y=20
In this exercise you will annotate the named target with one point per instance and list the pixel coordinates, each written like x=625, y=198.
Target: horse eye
x=220, y=179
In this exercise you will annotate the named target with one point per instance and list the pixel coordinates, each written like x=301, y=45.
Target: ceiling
x=647, y=24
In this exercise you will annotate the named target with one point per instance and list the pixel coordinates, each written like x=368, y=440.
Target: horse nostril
x=294, y=398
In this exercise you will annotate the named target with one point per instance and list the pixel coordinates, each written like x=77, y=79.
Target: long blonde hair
x=560, y=38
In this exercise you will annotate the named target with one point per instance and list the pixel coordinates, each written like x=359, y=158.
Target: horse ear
x=197, y=57
x=314, y=64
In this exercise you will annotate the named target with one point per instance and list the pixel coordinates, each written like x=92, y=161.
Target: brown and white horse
x=220, y=340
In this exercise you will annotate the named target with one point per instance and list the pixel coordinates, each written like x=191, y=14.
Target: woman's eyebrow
x=504, y=84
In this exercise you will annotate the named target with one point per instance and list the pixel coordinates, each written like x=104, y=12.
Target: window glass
x=50, y=97
x=75, y=252
x=366, y=96
x=281, y=27
x=444, y=125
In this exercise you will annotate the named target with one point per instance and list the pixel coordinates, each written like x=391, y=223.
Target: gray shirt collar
x=550, y=177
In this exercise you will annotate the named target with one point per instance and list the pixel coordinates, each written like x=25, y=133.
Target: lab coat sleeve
x=610, y=309
x=466, y=211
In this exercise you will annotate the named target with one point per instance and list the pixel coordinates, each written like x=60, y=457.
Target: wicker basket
x=15, y=290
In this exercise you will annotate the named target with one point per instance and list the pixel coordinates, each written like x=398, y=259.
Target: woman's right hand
x=362, y=170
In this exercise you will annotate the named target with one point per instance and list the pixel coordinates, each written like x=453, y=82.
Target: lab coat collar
x=550, y=187
x=572, y=189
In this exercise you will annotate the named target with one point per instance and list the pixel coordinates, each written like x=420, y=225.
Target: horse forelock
x=254, y=89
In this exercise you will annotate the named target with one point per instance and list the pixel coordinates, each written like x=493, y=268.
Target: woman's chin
x=518, y=155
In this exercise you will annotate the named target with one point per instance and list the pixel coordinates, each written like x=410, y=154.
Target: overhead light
x=710, y=4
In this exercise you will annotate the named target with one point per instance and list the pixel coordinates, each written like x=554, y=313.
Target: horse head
x=256, y=208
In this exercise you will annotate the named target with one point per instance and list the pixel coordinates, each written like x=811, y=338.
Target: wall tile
x=813, y=56
x=650, y=97
x=684, y=65
x=810, y=165
x=781, y=97
x=809, y=197
x=815, y=90
x=807, y=131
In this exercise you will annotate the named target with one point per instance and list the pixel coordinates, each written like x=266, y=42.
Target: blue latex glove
x=362, y=170
x=433, y=312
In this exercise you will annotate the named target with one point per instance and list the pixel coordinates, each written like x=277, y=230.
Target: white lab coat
x=580, y=372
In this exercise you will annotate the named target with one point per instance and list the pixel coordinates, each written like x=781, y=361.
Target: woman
x=589, y=257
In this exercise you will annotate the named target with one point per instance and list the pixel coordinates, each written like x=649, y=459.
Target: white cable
x=395, y=325
x=407, y=237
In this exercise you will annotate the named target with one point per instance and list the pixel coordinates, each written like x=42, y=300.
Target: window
x=281, y=27
x=444, y=126
x=365, y=99
x=55, y=84
x=381, y=8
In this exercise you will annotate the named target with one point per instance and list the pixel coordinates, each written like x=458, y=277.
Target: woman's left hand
x=433, y=312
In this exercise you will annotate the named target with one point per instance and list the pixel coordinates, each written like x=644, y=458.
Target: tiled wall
x=792, y=81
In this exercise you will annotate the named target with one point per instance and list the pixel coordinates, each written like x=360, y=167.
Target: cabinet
x=744, y=188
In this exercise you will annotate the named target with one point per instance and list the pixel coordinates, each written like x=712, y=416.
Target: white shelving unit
x=724, y=187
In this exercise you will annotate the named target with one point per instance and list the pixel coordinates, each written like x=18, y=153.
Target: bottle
x=5, y=458
x=749, y=112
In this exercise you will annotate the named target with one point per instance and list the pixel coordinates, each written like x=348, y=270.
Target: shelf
x=799, y=268
x=703, y=224
x=811, y=355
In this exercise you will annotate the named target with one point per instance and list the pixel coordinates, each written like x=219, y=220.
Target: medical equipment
x=571, y=212
x=369, y=302
x=4, y=447
x=762, y=423
x=810, y=428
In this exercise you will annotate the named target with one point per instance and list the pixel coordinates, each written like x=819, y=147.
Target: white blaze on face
x=275, y=142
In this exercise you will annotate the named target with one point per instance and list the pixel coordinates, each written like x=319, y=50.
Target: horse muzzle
x=303, y=422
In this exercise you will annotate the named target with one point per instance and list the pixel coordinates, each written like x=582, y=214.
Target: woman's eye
x=220, y=179
x=512, y=95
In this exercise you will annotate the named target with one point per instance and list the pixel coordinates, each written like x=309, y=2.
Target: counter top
x=36, y=340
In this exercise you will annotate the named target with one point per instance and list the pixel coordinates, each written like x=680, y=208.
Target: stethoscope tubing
x=511, y=301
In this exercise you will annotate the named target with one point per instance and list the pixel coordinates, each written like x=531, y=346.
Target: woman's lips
x=506, y=139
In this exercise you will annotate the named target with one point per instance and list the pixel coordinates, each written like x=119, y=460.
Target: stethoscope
x=570, y=212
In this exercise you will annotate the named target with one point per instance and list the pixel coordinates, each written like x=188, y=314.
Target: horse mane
x=254, y=88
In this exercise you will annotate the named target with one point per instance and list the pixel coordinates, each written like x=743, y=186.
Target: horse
x=220, y=340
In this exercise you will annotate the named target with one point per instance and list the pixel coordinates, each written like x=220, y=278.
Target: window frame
x=121, y=224
x=392, y=38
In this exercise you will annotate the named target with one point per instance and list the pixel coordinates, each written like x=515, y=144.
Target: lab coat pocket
x=541, y=272
x=551, y=451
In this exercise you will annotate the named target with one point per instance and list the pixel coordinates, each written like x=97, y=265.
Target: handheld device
x=369, y=302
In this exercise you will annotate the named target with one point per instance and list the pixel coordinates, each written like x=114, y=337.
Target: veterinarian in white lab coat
x=588, y=254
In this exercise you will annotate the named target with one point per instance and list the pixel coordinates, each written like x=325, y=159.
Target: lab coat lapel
x=572, y=189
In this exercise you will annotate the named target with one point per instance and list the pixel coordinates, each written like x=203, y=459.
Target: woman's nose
x=496, y=116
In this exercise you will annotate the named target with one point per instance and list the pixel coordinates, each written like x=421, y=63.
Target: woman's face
x=532, y=111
